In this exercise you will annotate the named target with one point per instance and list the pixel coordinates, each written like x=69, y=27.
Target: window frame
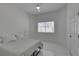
x=53, y=31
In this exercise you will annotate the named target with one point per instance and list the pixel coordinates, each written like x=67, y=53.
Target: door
x=77, y=31
x=73, y=29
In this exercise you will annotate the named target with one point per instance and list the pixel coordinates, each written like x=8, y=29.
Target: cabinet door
x=71, y=37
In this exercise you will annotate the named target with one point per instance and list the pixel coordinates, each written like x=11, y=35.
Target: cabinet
x=73, y=28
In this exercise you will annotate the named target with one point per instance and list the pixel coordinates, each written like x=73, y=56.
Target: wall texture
x=59, y=17
x=12, y=20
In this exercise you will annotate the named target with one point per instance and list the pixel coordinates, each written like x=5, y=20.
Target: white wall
x=59, y=16
x=12, y=20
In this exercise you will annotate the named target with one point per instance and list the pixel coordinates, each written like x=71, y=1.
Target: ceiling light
x=38, y=7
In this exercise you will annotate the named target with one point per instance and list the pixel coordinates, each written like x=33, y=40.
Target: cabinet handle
x=70, y=35
x=78, y=35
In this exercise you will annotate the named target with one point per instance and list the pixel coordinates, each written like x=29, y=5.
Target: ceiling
x=45, y=7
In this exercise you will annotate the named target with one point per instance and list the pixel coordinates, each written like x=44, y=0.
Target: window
x=46, y=27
